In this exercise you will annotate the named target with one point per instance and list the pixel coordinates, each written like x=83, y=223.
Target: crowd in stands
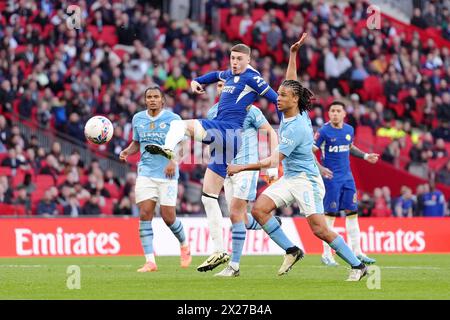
x=395, y=83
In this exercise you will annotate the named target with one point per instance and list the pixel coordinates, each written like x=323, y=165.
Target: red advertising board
x=117, y=236
x=389, y=235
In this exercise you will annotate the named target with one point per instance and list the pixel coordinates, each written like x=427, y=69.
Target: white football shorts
x=242, y=186
x=163, y=191
x=307, y=190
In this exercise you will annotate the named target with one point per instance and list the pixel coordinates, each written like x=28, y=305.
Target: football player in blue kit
x=242, y=187
x=335, y=140
x=157, y=180
x=243, y=84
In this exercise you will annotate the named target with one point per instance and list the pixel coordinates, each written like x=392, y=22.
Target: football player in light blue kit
x=241, y=188
x=157, y=179
x=302, y=181
x=335, y=140
x=243, y=84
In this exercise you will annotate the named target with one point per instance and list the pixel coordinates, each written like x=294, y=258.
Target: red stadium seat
x=5, y=171
x=114, y=191
x=44, y=181
x=108, y=207
x=381, y=143
x=364, y=136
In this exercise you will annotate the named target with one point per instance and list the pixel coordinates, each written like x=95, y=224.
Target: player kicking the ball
x=302, y=181
x=242, y=86
x=335, y=140
x=157, y=179
x=241, y=188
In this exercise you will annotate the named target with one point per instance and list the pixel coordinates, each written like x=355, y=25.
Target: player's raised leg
x=146, y=211
x=178, y=129
x=212, y=185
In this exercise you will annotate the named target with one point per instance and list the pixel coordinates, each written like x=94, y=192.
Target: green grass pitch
x=401, y=277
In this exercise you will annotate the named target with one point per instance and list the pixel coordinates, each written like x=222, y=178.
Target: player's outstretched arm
x=291, y=72
x=369, y=157
x=133, y=148
x=210, y=77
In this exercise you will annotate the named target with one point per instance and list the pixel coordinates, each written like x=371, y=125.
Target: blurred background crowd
x=53, y=77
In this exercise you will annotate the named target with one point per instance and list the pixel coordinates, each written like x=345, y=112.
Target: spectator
x=72, y=208
x=47, y=205
x=52, y=167
x=439, y=150
x=4, y=197
x=23, y=199
x=176, y=81
x=28, y=184
x=365, y=205
x=392, y=153
x=434, y=204
x=12, y=160
x=404, y=206
x=417, y=19
x=123, y=207
x=381, y=208
x=91, y=207
x=443, y=175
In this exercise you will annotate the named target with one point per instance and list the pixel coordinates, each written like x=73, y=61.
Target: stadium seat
x=114, y=191
x=364, y=136
x=5, y=171
x=11, y=209
x=108, y=207
x=44, y=181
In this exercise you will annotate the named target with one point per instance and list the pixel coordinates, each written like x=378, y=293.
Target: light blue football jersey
x=296, y=141
x=152, y=130
x=248, y=151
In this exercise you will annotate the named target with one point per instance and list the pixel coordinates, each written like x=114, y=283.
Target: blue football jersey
x=248, y=151
x=296, y=141
x=239, y=91
x=434, y=203
x=152, y=130
x=335, y=149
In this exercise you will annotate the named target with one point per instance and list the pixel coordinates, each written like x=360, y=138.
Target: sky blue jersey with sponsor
x=152, y=130
x=335, y=146
x=296, y=141
x=248, y=151
x=239, y=91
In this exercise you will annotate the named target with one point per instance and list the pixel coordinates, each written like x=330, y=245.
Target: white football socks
x=214, y=217
x=353, y=233
x=326, y=248
x=175, y=134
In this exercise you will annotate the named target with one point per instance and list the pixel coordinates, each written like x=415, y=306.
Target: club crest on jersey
x=348, y=137
x=236, y=79
x=162, y=125
x=152, y=125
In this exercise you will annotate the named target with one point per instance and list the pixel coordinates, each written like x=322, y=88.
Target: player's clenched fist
x=197, y=87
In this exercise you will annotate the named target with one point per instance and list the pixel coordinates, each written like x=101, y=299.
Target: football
x=98, y=130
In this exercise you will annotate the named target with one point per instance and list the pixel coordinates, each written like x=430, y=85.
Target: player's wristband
x=366, y=156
